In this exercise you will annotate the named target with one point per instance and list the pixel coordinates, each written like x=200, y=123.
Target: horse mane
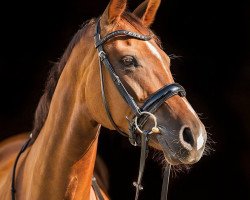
x=43, y=106
x=42, y=109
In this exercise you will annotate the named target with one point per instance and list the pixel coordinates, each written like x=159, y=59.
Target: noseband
x=137, y=136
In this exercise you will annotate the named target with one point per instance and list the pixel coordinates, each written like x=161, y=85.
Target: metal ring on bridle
x=154, y=129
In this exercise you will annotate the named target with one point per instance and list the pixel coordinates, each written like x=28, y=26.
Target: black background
x=212, y=40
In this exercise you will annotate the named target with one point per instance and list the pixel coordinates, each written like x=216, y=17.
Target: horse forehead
x=159, y=57
x=138, y=45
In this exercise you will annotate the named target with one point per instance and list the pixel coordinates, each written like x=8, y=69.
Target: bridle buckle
x=102, y=55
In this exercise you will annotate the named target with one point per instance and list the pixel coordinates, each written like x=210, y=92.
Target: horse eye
x=129, y=61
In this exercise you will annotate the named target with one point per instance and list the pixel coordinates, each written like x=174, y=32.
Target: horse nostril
x=187, y=138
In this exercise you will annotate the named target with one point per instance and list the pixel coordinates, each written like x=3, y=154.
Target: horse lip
x=169, y=155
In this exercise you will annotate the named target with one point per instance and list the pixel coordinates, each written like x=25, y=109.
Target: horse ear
x=146, y=11
x=114, y=10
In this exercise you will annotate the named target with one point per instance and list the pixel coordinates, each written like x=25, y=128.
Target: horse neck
x=67, y=142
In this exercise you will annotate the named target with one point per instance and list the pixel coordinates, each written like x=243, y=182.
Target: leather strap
x=160, y=96
x=144, y=154
x=97, y=189
x=105, y=103
x=165, y=182
x=120, y=87
x=24, y=147
x=118, y=33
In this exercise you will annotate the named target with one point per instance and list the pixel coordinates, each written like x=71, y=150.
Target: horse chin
x=169, y=155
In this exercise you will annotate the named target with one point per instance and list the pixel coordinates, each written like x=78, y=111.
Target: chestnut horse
x=59, y=161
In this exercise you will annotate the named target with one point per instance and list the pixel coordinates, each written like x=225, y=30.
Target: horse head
x=143, y=69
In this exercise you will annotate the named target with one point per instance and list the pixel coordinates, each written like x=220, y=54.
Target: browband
x=99, y=41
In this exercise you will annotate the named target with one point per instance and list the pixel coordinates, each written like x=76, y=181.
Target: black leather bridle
x=141, y=114
x=137, y=136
